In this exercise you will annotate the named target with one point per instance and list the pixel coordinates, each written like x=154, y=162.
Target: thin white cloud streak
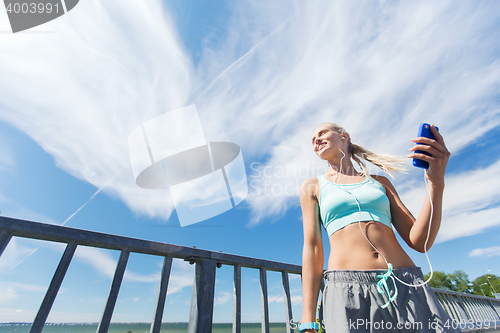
x=471, y=202
x=485, y=252
x=16, y=252
x=108, y=67
x=24, y=258
x=93, y=196
x=377, y=68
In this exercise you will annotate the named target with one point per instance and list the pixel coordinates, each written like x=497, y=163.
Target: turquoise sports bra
x=338, y=208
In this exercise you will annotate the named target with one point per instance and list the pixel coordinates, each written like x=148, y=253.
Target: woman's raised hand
x=439, y=158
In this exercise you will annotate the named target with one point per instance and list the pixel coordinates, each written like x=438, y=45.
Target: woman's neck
x=347, y=168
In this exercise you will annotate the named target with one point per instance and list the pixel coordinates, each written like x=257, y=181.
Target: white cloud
x=181, y=276
x=88, y=85
x=377, y=68
x=485, y=252
x=10, y=290
x=223, y=297
x=277, y=299
x=7, y=160
x=99, y=259
x=471, y=202
x=295, y=299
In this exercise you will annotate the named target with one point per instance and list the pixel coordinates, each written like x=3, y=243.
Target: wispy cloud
x=9, y=290
x=471, y=202
x=485, y=252
x=295, y=299
x=102, y=261
x=223, y=297
x=89, y=85
x=377, y=68
x=7, y=161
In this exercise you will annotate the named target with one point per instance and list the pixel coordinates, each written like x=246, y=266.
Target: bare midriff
x=349, y=249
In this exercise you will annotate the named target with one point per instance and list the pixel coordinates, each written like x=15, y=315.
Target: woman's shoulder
x=384, y=181
x=310, y=186
x=381, y=179
x=314, y=181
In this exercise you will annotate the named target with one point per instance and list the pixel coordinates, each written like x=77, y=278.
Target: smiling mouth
x=321, y=146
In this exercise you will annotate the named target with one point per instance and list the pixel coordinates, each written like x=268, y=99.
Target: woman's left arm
x=414, y=231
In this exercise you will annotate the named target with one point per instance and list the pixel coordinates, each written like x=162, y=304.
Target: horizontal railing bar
x=248, y=262
x=55, y=233
x=62, y=234
x=444, y=291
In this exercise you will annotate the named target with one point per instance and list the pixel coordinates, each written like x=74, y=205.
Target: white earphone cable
x=373, y=246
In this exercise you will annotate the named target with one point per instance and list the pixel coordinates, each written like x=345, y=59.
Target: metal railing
x=202, y=302
x=471, y=313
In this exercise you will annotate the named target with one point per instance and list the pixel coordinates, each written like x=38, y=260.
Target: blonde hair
x=387, y=162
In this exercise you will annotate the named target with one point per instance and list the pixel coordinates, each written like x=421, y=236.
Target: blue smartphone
x=423, y=131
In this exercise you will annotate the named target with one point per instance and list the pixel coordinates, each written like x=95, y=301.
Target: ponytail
x=388, y=163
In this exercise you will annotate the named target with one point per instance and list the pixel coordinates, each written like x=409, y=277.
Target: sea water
x=137, y=328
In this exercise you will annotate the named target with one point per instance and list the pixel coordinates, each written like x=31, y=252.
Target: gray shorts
x=352, y=303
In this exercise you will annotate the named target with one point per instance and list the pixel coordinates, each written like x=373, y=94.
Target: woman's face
x=324, y=139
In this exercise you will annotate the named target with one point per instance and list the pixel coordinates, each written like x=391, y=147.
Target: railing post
x=494, y=310
x=162, y=295
x=264, y=301
x=461, y=309
x=4, y=240
x=287, y=301
x=320, y=310
x=237, y=300
x=54, y=286
x=202, y=300
x=449, y=307
x=113, y=292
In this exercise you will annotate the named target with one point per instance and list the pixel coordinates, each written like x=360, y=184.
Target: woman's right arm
x=312, y=254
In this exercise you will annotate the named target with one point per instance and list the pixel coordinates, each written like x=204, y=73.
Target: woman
x=367, y=269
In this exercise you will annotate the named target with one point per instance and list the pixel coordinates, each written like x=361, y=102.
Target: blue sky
x=262, y=75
